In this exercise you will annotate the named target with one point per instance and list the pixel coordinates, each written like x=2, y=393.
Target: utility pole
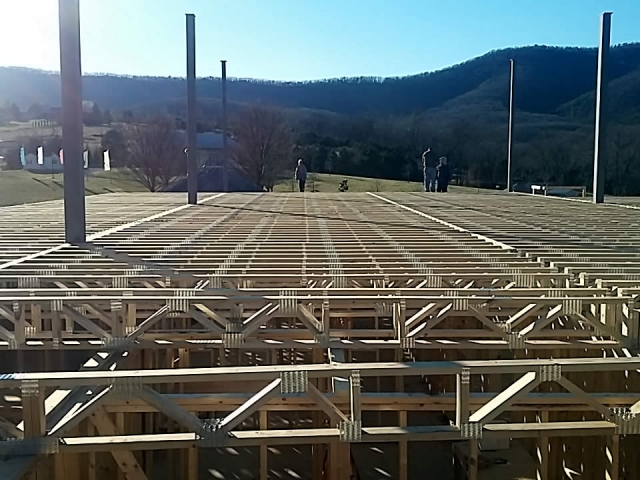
x=511, y=109
x=225, y=149
x=192, y=147
x=599, y=150
x=72, y=132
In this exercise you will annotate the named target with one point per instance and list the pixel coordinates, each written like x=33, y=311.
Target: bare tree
x=155, y=153
x=264, y=145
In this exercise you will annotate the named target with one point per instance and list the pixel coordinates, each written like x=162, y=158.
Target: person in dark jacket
x=443, y=175
x=301, y=174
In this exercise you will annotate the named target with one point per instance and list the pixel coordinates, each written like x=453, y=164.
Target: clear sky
x=303, y=39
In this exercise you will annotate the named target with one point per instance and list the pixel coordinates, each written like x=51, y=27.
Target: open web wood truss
x=334, y=306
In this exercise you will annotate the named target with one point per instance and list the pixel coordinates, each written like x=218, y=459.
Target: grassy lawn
x=323, y=182
x=19, y=186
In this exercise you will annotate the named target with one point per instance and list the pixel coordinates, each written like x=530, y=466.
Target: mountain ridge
x=549, y=80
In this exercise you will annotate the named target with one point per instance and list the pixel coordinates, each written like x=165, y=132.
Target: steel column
x=599, y=152
x=72, y=131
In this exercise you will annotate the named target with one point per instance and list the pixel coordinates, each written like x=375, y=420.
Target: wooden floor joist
x=247, y=319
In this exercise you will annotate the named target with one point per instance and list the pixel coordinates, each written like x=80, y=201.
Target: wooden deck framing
x=255, y=320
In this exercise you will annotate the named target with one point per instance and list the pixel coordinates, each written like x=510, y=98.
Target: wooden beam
x=267, y=373
x=250, y=406
x=612, y=455
x=264, y=450
x=327, y=406
x=542, y=451
x=246, y=438
x=501, y=402
x=170, y=409
x=125, y=459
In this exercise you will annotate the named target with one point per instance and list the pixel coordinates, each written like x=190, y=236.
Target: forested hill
x=549, y=80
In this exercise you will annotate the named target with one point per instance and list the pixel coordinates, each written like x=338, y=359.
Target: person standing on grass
x=443, y=175
x=301, y=174
x=428, y=173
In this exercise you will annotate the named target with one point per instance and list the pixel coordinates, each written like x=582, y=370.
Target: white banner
x=61, y=157
x=107, y=161
x=40, y=156
x=85, y=157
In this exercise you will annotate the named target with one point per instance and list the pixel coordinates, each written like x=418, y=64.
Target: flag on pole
x=85, y=157
x=23, y=161
x=40, y=156
x=61, y=157
x=107, y=161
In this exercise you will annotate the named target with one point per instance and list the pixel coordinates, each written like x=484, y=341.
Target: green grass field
x=19, y=186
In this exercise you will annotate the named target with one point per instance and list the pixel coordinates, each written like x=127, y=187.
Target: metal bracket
x=321, y=338
x=550, y=373
x=232, y=339
x=350, y=431
x=627, y=423
x=28, y=282
x=30, y=388
x=384, y=309
x=181, y=302
x=461, y=304
x=465, y=376
x=572, y=306
x=126, y=388
x=516, y=341
x=471, y=430
x=295, y=381
x=215, y=282
x=526, y=280
x=288, y=303
x=211, y=435
x=115, y=343
x=408, y=343
x=29, y=446
x=433, y=281
x=504, y=326
x=30, y=331
x=120, y=282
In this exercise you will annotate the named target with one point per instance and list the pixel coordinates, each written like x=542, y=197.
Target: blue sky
x=303, y=39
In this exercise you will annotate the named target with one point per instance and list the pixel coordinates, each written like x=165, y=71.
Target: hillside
x=548, y=79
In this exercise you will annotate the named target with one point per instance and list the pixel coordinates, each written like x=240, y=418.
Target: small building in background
x=211, y=162
x=210, y=148
x=50, y=164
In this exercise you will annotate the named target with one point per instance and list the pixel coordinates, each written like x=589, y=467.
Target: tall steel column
x=225, y=151
x=511, y=109
x=599, y=150
x=72, y=133
x=192, y=152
